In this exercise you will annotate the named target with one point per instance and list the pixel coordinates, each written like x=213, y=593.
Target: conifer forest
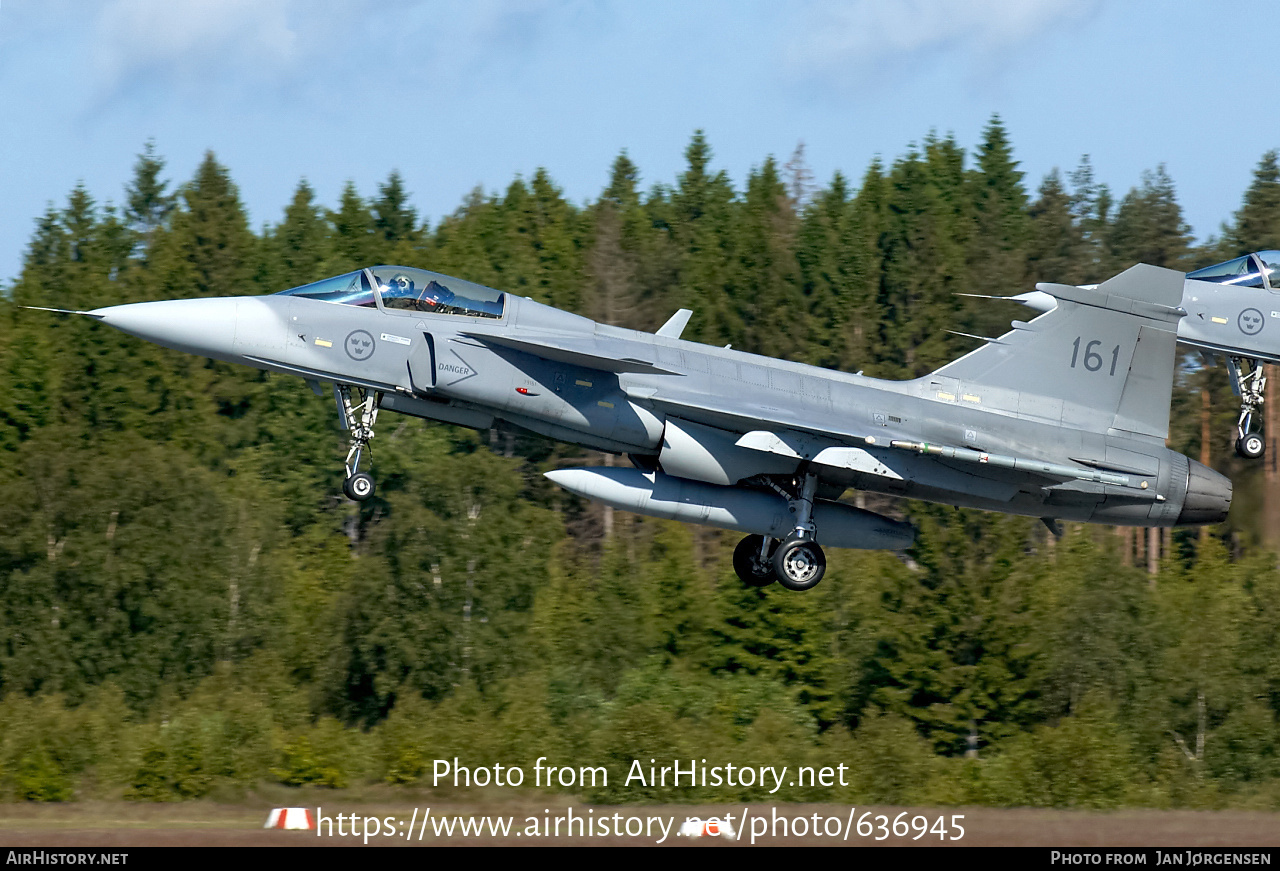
x=191, y=607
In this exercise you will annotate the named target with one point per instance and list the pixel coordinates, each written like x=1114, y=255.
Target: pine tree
x=208, y=250
x=394, y=222
x=1257, y=224
x=147, y=203
x=952, y=647
x=630, y=261
x=1056, y=249
x=552, y=227
x=836, y=257
x=701, y=230
x=471, y=243
x=624, y=179
x=766, y=296
x=869, y=221
x=611, y=296
x=997, y=254
x=1091, y=210
x=799, y=180
x=1202, y=618
x=787, y=639
x=927, y=222
x=1257, y=227
x=301, y=243
x=1148, y=226
x=354, y=243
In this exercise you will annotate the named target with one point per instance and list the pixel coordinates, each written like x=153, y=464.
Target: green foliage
x=660, y=715
x=304, y=765
x=1002, y=225
x=953, y=646
x=1257, y=224
x=189, y=607
x=1057, y=242
x=147, y=203
x=38, y=777
x=1148, y=226
x=890, y=763
x=403, y=751
x=150, y=782
x=1084, y=761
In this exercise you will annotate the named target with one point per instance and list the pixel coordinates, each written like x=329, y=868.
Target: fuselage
x=682, y=405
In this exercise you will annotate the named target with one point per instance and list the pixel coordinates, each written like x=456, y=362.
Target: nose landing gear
x=359, y=418
x=1249, y=380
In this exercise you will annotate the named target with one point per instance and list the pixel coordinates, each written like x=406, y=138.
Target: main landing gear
x=796, y=562
x=359, y=417
x=1250, y=380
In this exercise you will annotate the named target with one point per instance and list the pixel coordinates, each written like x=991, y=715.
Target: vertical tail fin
x=1102, y=359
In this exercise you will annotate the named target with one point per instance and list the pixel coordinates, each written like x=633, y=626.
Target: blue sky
x=460, y=94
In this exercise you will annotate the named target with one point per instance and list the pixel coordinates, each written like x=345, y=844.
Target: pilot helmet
x=401, y=284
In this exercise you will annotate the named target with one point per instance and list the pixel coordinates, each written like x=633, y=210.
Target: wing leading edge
x=585, y=352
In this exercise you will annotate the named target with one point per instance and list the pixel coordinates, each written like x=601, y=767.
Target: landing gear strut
x=1250, y=380
x=797, y=562
x=359, y=417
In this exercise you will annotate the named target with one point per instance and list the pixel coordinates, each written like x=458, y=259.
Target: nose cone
x=206, y=327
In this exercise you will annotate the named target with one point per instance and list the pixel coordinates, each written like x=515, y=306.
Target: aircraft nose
x=206, y=327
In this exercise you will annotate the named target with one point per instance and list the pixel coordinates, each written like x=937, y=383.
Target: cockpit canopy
x=352, y=288
x=409, y=289
x=404, y=288
x=1252, y=270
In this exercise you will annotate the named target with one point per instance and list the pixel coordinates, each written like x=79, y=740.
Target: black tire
x=746, y=562
x=359, y=486
x=1251, y=446
x=799, y=564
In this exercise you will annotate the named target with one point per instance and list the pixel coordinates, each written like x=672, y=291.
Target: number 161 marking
x=1092, y=359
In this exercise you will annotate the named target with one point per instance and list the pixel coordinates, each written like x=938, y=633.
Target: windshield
x=407, y=289
x=350, y=289
x=1241, y=272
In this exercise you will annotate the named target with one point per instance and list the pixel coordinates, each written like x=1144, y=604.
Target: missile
x=755, y=511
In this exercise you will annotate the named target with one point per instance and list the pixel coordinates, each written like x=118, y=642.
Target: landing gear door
x=422, y=365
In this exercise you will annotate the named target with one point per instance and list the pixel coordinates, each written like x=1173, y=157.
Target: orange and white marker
x=712, y=828
x=291, y=818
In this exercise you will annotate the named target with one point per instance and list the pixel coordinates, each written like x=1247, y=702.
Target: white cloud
x=232, y=46
x=190, y=38
x=851, y=39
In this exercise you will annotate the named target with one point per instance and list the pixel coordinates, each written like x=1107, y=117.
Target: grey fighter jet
x=1064, y=417
x=1230, y=309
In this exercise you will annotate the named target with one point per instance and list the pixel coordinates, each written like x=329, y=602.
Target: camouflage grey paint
x=1063, y=417
x=1241, y=321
